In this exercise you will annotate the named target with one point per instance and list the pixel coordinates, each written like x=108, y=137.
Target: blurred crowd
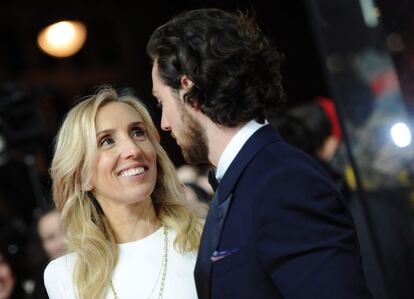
x=25, y=252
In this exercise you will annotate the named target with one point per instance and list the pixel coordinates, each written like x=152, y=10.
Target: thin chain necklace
x=163, y=268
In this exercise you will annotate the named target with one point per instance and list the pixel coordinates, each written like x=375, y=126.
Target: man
x=277, y=227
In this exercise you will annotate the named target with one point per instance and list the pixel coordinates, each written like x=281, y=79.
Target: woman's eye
x=139, y=132
x=105, y=141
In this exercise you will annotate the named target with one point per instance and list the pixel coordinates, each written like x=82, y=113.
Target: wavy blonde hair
x=88, y=232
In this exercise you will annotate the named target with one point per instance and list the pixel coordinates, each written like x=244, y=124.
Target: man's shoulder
x=280, y=163
x=280, y=153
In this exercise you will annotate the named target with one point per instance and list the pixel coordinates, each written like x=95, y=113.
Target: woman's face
x=6, y=279
x=125, y=169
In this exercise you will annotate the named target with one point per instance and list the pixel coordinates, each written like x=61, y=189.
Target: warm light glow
x=395, y=42
x=401, y=134
x=376, y=12
x=62, y=39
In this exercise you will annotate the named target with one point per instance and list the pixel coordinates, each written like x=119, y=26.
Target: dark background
x=36, y=90
x=115, y=49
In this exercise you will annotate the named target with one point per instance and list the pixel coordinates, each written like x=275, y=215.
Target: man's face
x=176, y=117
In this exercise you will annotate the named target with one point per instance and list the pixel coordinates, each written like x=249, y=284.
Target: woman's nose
x=130, y=149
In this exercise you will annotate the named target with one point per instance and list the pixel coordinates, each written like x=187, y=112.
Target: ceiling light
x=62, y=39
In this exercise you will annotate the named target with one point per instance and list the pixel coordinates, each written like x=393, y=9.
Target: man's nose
x=165, y=125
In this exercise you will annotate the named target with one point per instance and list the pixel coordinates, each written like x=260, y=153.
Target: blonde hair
x=88, y=232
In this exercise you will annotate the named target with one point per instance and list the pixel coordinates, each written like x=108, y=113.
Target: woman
x=123, y=209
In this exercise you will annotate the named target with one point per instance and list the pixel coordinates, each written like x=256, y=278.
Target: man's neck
x=218, y=137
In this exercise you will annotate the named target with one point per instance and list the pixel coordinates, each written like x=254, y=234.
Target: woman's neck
x=131, y=223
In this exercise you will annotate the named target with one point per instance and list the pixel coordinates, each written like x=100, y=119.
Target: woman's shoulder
x=65, y=261
x=183, y=256
x=58, y=268
x=58, y=276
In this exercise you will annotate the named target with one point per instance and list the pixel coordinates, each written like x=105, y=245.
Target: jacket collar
x=256, y=142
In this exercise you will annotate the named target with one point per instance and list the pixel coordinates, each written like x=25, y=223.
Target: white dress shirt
x=234, y=146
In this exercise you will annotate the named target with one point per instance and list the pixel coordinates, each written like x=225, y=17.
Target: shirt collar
x=235, y=145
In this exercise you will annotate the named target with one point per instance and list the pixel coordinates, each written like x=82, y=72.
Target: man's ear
x=186, y=82
x=186, y=85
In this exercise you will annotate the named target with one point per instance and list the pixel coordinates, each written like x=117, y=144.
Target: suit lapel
x=254, y=144
x=210, y=238
x=220, y=206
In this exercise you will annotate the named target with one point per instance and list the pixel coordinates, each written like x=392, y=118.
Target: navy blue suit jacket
x=286, y=230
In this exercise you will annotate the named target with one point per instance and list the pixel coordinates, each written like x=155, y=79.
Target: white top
x=135, y=274
x=235, y=145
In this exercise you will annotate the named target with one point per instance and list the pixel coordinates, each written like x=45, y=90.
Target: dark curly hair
x=234, y=67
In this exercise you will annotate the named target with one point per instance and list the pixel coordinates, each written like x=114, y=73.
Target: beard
x=194, y=144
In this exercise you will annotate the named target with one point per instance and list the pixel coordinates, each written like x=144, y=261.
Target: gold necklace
x=163, y=268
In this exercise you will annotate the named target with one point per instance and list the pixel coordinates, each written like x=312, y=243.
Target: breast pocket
x=230, y=262
x=230, y=279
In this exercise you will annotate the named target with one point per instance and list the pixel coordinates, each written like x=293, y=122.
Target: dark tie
x=209, y=243
x=212, y=179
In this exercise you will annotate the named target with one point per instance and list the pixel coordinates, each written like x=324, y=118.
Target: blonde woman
x=124, y=215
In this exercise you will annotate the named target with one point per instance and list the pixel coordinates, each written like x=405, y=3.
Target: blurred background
x=349, y=78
